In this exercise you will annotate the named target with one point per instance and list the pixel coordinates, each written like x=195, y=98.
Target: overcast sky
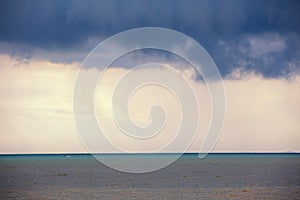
x=255, y=45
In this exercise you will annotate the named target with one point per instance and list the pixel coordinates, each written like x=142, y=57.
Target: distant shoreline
x=82, y=154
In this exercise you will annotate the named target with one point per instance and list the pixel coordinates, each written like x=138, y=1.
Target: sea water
x=218, y=176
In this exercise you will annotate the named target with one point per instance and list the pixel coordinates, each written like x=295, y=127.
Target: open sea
x=218, y=176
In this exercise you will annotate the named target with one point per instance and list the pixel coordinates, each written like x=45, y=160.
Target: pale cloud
x=36, y=106
x=261, y=45
x=36, y=109
x=143, y=99
x=262, y=115
x=36, y=86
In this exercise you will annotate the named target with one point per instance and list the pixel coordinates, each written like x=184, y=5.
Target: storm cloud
x=259, y=36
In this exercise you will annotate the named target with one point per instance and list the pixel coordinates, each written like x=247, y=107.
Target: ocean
x=218, y=176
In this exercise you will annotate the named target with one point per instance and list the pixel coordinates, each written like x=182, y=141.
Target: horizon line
x=80, y=153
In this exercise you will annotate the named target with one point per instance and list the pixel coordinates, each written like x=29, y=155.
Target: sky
x=255, y=45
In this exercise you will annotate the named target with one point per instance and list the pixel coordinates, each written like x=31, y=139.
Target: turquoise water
x=218, y=176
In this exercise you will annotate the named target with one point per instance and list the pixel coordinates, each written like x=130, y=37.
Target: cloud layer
x=36, y=110
x=255, y=44
x=257, y=35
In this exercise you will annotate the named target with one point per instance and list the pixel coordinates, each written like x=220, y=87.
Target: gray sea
x=218, y=176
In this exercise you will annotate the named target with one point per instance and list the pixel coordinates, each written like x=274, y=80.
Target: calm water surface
x=218, y=176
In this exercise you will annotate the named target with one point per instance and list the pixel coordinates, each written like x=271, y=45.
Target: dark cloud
x=68, y=25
